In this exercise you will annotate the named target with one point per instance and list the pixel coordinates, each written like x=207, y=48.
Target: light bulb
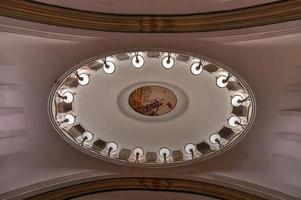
x=164, y=151
x=68, y=97
x=88, y=135
x=234, y=121
x=112, y=146
x=109, y=67
x=215, y=138
x=190, y=148
x=83, y=79
x=168, y=62
x=138, y=151
x=70, y=119
x=137, y=61
x=222, y=81
x=236, y=100
x=196, y=68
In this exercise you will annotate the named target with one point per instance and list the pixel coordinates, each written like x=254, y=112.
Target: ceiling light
x=168, y=62
x=137, y=60
x=86, y=137
x=236, y=100
x=67, y=97
x=108, y=66
x=112, y=147
x=68, y=119
x=196, y=68
x=222, y=81
x=234, y=121
x=215, y=138
x=83, y=79
x=164, y=153
x=138, y=153
x=190, y=149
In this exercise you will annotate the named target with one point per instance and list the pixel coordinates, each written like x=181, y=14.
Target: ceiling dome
x=151, y=108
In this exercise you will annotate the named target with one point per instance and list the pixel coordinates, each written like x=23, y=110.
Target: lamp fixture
x=190, y=149
x=86, y=137
x=83, y=79
x=238, y=100
x=137, y=60
x=168, y=62
x=215, y=138
x=164, y=153
x=138, y=153
x=108, y=66
x=111, y=147
x=197, y=67
x=222, y=81
x=67, y=97
x=68, y=119
x=234, y=121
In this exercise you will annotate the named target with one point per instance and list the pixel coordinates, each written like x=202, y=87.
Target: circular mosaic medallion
x=152, y=100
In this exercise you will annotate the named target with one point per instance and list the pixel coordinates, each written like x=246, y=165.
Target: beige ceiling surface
x=155, y=6
x=33, y=56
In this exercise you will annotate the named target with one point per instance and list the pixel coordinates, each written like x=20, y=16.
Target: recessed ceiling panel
x=152, y=108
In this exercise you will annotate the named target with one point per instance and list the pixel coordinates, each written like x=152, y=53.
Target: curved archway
x=147, y=184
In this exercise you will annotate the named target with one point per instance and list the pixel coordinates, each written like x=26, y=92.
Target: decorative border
x=85, y=183
x=144, y=165
x=270, y=13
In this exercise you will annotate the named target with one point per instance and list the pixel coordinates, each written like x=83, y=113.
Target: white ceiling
x=154, y=6
x=98, y=107
x=33, y=56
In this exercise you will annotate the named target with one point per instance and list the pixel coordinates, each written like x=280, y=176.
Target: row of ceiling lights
x=138, y=62
x=167, y=62
x=138, y=152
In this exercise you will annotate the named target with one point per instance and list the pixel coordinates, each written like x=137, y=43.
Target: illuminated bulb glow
x=137, y=61
x=68, y=97
x=113, y=146
x=138, y=151
x=221, y=81
x=87, y=135
x=109, y=67
x=165, y=151
x=83, y=79
x=236, y=100
x=70, y=119
x=168, y=62
x=189, y=147
x=196, y=68
x=234, y=121
x=215, y=138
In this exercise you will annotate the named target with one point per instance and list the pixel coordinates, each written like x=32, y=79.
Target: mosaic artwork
x=152, y=100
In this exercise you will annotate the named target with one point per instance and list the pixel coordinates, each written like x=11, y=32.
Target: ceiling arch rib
x=147, y=184
x=271, y=13
x=156, y=6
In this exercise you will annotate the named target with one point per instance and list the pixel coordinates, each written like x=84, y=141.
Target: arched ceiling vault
x=146, y=184
x=33, y=55
x=270, y=13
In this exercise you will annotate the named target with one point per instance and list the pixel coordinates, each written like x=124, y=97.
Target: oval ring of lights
x=178, y=109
